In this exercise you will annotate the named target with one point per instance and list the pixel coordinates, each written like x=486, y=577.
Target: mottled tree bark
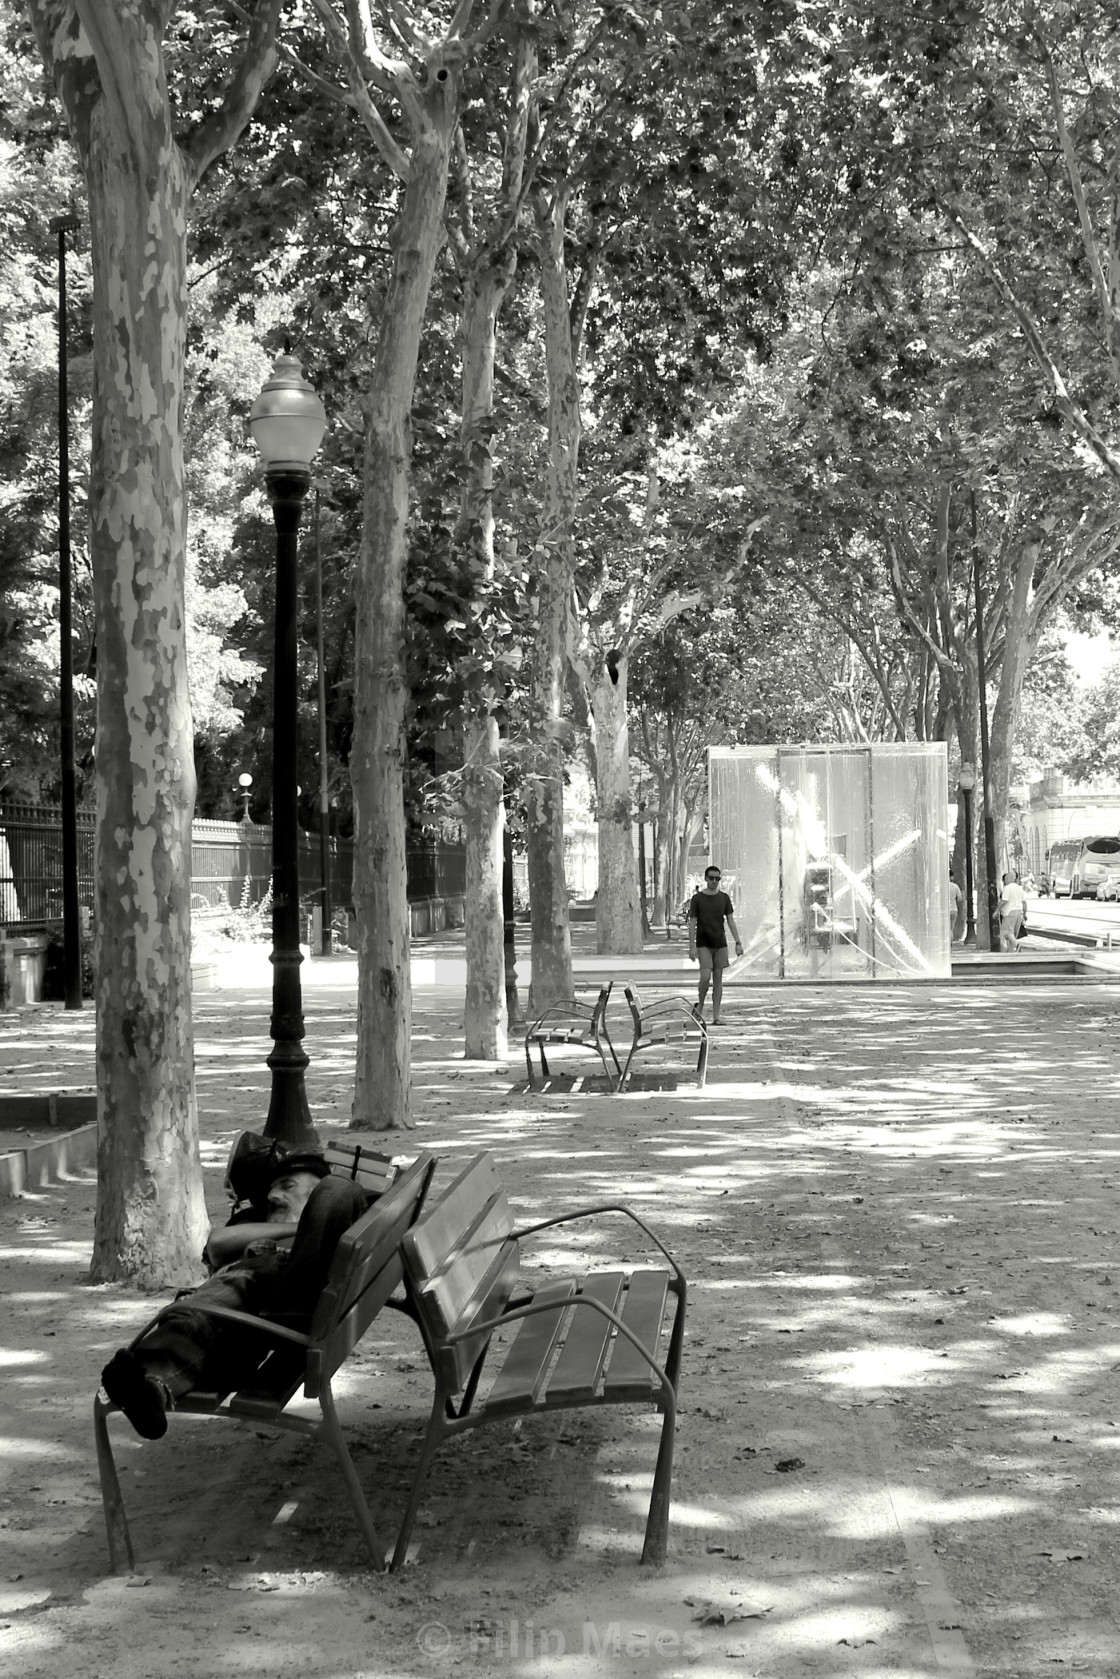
x=484, y=1027
x=484, y=1032
x=107, y=63
x=383, y=1070
x=551, y=943
x=618, y=920
x=488, y=260
x=1018, y=652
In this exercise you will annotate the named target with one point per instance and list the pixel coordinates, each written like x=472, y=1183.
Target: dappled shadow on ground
x=898, y=1440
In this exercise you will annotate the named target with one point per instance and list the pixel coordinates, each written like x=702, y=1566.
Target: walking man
x=710, y=915
x=1012, y=907
x=956, y=909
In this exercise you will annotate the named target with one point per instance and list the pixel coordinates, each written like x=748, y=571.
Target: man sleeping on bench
x=270, y=1259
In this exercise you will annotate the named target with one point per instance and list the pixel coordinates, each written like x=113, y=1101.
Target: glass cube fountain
x=836, y=858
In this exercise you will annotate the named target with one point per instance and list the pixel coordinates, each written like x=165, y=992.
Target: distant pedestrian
x=1012, y=907
x=956, y=909
x=708, y=912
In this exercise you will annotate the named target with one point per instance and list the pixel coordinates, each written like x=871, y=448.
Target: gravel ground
x=898, y=1443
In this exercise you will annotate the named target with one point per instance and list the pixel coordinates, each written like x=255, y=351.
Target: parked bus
x=1077, y=868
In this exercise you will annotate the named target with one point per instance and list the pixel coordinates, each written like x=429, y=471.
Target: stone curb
x=51, y=1159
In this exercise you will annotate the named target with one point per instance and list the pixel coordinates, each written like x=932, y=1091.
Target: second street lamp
x=71, y=911
x=288, y=423
x=966, y=781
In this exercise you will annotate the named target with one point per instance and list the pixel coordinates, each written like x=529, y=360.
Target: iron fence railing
x=231, y=864
x=31, y=863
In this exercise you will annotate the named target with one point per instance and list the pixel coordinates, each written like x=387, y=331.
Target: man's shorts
x=711, y=960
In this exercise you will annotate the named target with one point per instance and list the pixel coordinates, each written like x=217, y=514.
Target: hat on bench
x=304, y=1161
x=255, y=1162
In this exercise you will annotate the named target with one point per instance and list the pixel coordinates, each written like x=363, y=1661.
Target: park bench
x=669, y=1020
x=574, y=1025
x=365, y=1271
x=578, y=1341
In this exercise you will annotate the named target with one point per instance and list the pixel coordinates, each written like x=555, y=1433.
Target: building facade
x=1057, y=810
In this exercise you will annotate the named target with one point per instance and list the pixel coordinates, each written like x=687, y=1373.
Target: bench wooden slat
x=365, y=1270
x=346, y=1334
x=441, y=1227
x=522, y=1375
x=643, y=1311
x=577, y=1371
x=373, y=1170
x=575, y=1036
x=449, y=1288
x=490, y=1301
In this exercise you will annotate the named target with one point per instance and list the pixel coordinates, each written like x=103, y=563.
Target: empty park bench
x=669, y=1020
x=365, y=1271
x=579, y=1340
x=574, y=1025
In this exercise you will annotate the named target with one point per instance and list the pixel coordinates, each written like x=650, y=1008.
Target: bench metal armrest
x=583, y=1012
x=667, y=1006
x=489, y=1325
x=591, y=1212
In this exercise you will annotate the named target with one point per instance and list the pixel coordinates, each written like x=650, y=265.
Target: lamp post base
x=289, y=1117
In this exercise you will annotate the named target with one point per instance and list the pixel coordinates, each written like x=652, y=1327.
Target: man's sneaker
x=141, y=1396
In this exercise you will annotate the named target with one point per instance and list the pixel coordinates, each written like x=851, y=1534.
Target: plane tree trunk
x=107, y=64
x=551, y=942
x=383, y=1068
x=484, y=1032
x=618, y=921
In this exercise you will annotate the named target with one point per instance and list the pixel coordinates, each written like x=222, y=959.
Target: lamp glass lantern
x=287, y=420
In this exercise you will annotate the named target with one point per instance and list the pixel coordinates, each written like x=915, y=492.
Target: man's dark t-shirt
x=708, y=910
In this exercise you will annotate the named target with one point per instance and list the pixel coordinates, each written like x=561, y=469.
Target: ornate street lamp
x=245, y=782
x=966, y=781
x=288, y=423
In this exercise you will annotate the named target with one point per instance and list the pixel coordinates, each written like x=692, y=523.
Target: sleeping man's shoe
x=142, y=1397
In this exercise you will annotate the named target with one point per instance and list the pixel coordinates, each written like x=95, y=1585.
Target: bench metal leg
x=702, y=1062
x=432, y=1441
x=626, y=1070
x=116, y=1522
x=614, y=1057
x=610, y=1077
x=332, y=1429
x=656, y=1542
